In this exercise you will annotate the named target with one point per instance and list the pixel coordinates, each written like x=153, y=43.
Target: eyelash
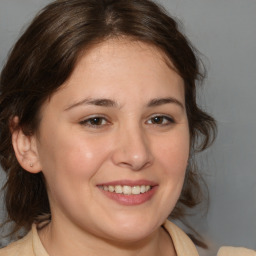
x=92, y=121
x=88, y=122
x=166, y=120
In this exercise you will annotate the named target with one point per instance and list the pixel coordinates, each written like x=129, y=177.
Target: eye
x=161, y=120
x=96, y=122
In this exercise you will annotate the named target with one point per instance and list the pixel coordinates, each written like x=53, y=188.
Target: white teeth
x=127, y=190
x=148, y=188
x=118, y=189
x=143, y=189
x=111, y=189
x=136, y=190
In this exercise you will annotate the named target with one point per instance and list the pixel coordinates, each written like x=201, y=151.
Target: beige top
x=31, y=245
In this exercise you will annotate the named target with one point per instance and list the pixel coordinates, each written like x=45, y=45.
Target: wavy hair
x=44, y=58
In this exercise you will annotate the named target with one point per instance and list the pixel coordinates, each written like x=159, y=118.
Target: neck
x=63, y=241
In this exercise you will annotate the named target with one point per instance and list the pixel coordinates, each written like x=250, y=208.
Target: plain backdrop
x=224, y=31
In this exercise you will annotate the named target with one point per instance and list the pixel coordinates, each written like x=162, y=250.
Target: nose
x=132, y=149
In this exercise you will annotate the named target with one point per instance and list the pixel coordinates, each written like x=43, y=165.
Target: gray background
x=225, y=33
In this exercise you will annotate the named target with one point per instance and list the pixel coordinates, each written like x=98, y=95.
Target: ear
x=26, y=150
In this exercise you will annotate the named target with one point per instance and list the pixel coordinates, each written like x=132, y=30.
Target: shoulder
x=184, y=246
x=182, y=243
x=22, y=247
x=235, y=251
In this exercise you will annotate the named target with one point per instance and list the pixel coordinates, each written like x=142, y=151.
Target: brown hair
x=44, y=58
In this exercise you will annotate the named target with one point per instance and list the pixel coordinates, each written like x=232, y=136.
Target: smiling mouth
x=126, y=190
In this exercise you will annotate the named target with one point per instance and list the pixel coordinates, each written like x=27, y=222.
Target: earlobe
x=26, y=151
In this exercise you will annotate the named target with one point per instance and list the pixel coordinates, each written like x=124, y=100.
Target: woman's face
x=113, y=142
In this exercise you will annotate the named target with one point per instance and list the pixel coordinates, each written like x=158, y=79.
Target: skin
x=125, y=142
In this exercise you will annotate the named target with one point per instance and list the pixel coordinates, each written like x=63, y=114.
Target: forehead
x=123, y=47
x=119, y=51
x=117, y=65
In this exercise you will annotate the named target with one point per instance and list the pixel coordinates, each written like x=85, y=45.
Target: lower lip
x=130, y=200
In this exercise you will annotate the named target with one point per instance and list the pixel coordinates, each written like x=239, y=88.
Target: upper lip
x=129, y=183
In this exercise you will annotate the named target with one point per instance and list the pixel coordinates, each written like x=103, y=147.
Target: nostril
x=135, y=165
x=132, y=150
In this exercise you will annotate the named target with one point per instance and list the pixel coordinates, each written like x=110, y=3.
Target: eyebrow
x=95, y=102
x=162, y=101
x=111, y=103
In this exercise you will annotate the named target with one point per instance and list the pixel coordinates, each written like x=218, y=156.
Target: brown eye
x=157, y=120
x=94, y=122
x=160, y=120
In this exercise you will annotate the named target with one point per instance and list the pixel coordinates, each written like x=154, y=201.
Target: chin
x=131, y=236
x=133, y=231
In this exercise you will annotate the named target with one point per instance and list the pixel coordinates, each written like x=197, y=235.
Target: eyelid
x=169, y=118
x=85, y=121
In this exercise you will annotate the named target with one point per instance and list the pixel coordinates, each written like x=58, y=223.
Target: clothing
x=31, y=245
x=238, y=251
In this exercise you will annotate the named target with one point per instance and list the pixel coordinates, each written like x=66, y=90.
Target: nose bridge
x=132, y=147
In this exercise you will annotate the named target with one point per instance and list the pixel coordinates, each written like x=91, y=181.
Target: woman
x=99, y=126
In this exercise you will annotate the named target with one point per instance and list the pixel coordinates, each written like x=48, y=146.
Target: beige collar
x=182, y=243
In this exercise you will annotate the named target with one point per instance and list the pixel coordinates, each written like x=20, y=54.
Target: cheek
x=69, y=167
x=72, y=157
x=173, y=153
